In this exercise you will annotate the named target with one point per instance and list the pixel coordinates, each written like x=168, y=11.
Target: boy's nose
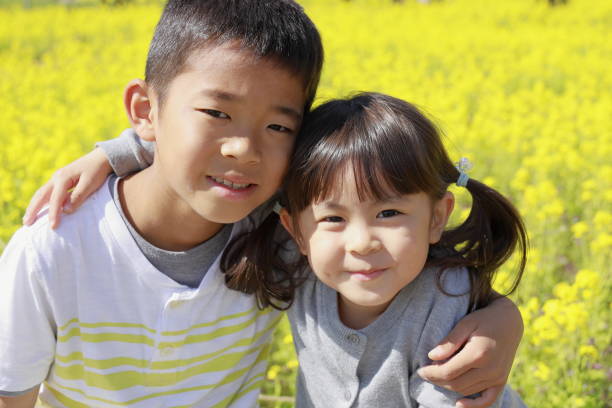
x=361, y=241
x=241, y=148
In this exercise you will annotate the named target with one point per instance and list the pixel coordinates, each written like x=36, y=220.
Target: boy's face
x=225, y=132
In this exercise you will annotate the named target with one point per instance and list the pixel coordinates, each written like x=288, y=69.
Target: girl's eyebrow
x=404, y=199
x=330, y=205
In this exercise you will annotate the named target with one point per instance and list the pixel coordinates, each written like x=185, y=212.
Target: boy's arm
x=27, y=325
x=128, y=153
x=123, y=155
x=490, y=338
x=27, y=400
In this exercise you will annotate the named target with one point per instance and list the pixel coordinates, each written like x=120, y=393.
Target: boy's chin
x=226, y=216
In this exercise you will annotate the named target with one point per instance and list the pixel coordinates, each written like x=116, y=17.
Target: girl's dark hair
x=258, y=262
x=278, y=30
x=393, y=149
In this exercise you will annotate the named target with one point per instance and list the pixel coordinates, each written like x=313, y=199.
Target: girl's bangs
x=374, y=157
x=385, y=144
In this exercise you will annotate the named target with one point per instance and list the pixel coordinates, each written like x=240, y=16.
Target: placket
x=355, y=345
x=174, y=322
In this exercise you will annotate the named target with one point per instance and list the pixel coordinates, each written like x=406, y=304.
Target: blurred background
x=523, y=88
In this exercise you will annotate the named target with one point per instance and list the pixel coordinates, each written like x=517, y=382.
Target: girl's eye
x=387, y=213
x=333, y=218
x=280, y=128
x=215, y=113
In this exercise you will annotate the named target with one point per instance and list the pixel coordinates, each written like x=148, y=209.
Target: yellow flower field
x=521, y=88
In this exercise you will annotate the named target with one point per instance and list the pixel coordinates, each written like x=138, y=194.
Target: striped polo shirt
x=82, y=310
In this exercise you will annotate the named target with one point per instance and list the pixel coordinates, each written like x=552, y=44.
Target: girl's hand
x=69, y=187
x=485, y=343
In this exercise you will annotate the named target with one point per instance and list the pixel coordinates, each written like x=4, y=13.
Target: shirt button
x=353, y=338
x=167, y=351
x=347, y=395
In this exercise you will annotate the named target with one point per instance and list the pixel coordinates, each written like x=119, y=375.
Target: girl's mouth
x=367, y=275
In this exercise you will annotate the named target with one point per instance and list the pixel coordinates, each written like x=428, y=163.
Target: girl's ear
x=139, y=106
x=442, y=210
x=287, y=222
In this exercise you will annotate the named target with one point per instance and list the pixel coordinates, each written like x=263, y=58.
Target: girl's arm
x=72, y=184
x=490, y=338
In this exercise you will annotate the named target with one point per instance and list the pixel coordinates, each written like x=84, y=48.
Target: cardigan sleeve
x=128, y=153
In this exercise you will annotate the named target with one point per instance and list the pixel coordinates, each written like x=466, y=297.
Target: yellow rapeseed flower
x=589, y=351
x=579, y=229
x=542, y=371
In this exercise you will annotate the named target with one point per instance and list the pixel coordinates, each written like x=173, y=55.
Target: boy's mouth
x=230, y=184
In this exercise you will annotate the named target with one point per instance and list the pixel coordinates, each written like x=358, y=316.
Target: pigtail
x=491, y=233
x=253, y=264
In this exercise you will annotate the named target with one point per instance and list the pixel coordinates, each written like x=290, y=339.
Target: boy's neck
x=159, y=217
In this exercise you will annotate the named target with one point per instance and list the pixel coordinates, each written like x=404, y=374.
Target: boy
x=84, y=308
x=126, y=302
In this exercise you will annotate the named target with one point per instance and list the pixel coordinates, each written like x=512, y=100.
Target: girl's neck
x=357, y=316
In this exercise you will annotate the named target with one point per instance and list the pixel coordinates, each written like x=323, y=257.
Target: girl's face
x=369, y=250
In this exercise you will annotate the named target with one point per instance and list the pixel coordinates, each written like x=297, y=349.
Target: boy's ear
x=287, y=222
x=139, y=106
x=442, y=210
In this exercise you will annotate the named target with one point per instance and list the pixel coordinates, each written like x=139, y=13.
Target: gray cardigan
x=376, y=366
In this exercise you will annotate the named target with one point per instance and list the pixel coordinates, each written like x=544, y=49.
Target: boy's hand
x=485, y=343
x=69, y=187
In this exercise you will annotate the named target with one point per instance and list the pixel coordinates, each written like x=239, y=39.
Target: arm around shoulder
x=27, y=400
x=128, y=152
x=480, y=352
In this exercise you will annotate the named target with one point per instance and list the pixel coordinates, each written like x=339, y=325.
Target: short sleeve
x=128, y=152
x=27, y=331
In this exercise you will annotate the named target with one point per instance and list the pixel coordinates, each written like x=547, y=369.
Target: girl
x=366, y=201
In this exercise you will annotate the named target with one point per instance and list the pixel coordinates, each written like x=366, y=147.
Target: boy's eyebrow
x=285, y=110
x=230, y=97
x=218, y=94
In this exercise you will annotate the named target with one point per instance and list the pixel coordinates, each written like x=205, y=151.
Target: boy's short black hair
x=275, y=29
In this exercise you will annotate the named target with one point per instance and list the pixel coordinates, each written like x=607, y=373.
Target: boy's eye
x=215, y=113
x=280, y=128
x=387, y=213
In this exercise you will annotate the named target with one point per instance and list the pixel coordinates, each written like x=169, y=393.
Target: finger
x=473, y=388
x=455, y=339
x=59, y=195
x=81, y=191
x=469, y=383
x=457, y=365
x=38, y=201
x=486, y=399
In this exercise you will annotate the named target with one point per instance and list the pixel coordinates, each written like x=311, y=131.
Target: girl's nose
x=361, y=241
x=243, y=149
